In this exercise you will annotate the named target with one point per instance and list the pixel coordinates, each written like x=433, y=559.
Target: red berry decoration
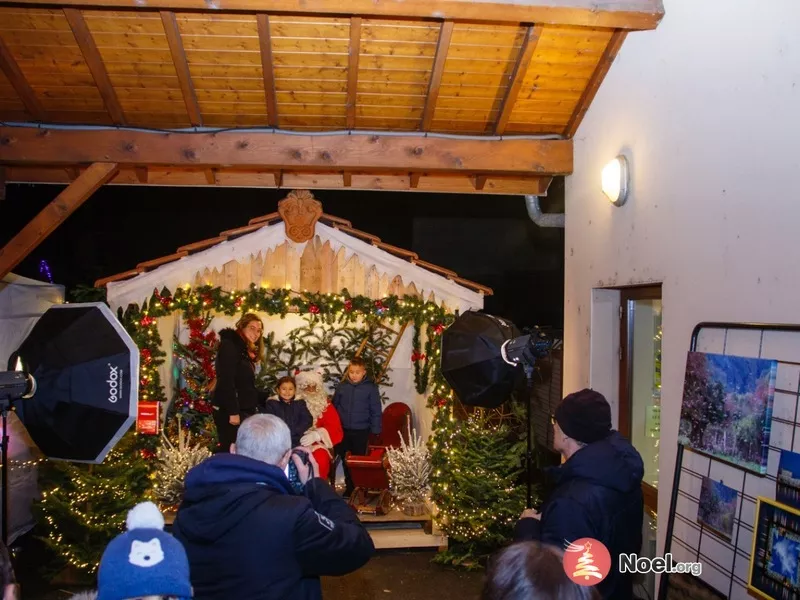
x=313, y=309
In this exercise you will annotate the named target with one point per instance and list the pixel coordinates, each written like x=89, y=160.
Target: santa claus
x=326, y=431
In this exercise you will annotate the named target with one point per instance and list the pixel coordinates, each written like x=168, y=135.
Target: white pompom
x=145, y=516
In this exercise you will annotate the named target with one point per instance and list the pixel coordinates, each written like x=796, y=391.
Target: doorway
x=640, y=314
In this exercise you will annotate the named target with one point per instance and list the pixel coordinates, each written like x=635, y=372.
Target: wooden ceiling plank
x=347, y=179
x=211, y=176
x=141, y=174
x=619, y=14
x=445, y=35
x=352, y=70
x=29, y=146
x=414, y=180
x=95, y=63
x=600, y=72
x=176, y=49
x=268, y=70
x=480, y=182
x=17, y=79
x=532, y=35
x=43, y=224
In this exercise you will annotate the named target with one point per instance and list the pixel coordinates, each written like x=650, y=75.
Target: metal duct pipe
x=540, y=218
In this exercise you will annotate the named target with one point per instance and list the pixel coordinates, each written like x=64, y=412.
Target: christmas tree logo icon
x=586, y=561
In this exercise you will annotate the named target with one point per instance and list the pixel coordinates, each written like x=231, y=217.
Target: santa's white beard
x=316, y=403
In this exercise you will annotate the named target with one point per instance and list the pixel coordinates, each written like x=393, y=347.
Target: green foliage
x=477, y=476
x=86, y=293
x=85, y=506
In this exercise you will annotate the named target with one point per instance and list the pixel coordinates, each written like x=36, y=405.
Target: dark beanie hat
x=584, y=416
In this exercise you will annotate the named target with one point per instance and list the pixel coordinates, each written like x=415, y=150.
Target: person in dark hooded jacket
x=598, y=489
x=235, y=396
x=249, y=536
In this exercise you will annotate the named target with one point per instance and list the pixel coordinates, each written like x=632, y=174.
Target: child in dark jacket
x=358, y=402
x=293, y=412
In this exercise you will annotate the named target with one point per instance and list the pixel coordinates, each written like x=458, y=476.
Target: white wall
x=707, y=108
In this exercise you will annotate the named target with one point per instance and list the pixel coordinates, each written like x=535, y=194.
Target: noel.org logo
x=587, y=562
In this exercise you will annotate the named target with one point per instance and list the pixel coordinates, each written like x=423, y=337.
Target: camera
x=294, y=478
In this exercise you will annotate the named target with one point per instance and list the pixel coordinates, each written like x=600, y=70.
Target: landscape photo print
x=727, y=408
x=717, y=507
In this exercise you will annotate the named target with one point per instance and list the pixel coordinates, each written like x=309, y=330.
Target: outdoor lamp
x=615, y=180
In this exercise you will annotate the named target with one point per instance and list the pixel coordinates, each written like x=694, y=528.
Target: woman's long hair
x=256, y=350
x=531, y=571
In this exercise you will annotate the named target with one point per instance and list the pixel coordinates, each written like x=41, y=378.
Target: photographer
x=248, y=534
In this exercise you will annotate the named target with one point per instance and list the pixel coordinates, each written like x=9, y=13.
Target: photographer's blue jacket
x=248, y=536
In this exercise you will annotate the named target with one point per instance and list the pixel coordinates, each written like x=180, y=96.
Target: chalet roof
x=273, y=218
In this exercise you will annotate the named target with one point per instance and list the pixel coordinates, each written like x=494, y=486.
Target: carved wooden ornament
x=300, y=212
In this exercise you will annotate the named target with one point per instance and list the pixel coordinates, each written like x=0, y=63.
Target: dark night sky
x=488, y=239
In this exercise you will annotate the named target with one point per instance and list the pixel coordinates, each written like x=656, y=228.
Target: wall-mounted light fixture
x=616, y=180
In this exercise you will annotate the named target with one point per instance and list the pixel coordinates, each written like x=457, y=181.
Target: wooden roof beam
x=445, y=35
x=610, y=53
x=614, y=14
x=396, y=182
x=532, y=36
x=178, y=53
x=15, y=75
x=268, y=72
x=95, y=63
x=274, y=151
x=43, y=224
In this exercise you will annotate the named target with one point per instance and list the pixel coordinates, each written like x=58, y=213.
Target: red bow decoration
x=313, y=309
x=416, y=356
x=438, y=329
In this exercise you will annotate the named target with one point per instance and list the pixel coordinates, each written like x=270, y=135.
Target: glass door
x=640, y=396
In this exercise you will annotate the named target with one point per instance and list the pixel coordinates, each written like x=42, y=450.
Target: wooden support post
x=445, y=35
x=278, y=175
x=141, y=174
x=480, y=182
x=211, y=176
x=43, y=224
x=347, y=179
x=413, y=181
x=265, y=45
x=73, y=172
x=352, y=70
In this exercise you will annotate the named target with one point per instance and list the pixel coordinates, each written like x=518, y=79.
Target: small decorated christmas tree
x=410, y=473
x=174, y=462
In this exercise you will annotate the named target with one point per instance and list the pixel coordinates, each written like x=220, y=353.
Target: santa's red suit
x=327, y=429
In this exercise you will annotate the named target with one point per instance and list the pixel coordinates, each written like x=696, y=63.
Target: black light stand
x=523, y=351
x=13, y=386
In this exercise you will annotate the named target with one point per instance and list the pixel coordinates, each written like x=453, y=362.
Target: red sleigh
x=370, y=473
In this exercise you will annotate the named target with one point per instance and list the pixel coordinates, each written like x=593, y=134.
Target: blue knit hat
x=144, y=561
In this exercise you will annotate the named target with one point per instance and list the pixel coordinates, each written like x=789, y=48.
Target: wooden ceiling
x=504, y=67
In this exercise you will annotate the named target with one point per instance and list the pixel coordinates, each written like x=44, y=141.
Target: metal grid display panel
x=726, y=563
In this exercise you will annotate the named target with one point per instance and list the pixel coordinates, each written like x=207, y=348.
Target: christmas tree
x=478, y=475
x=196, y=363
x=86, y=505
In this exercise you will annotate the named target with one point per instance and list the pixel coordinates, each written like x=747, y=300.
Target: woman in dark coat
x=235, y=395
